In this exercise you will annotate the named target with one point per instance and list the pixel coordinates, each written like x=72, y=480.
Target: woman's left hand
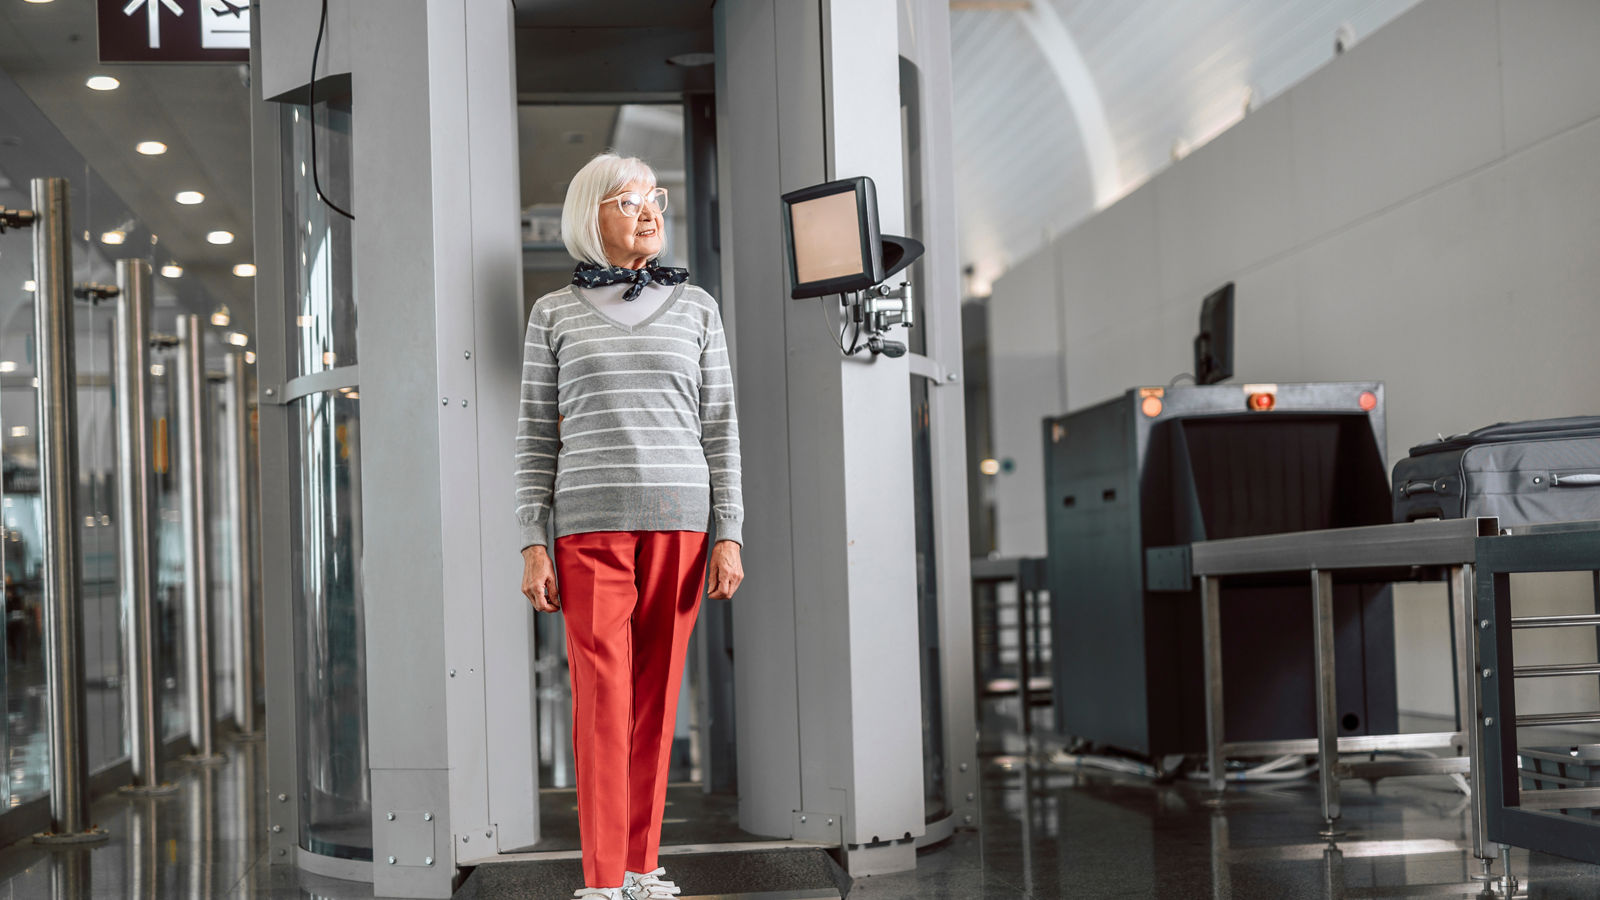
x=726, y=570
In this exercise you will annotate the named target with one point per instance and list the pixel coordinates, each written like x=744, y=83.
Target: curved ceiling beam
x=1051, y=36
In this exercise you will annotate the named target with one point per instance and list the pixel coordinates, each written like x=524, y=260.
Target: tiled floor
x=1047, y=833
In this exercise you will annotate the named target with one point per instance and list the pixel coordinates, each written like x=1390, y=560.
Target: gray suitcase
x=1524, y=473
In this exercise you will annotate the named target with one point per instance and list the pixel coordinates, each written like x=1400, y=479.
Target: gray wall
x=1424, y=210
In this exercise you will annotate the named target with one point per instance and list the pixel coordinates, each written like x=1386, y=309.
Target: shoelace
x=651, y=886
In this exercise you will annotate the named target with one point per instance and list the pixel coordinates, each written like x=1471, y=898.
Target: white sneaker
x=649, y=886
x=590, y=893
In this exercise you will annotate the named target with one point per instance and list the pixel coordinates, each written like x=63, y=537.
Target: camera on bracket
x=834, y=247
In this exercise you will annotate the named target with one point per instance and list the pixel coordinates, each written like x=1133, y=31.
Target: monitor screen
x=827, y=237
x=832, y=235
x=1213, y=346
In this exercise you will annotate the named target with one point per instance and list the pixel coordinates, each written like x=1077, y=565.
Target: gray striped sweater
x=627, y=428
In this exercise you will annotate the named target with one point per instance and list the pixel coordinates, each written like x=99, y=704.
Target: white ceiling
x=1063, y=106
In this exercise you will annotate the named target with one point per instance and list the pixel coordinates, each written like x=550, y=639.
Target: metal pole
x=196, y=589
x=242, y=595
x=1327, y=700
x=1211, y=653
x=1024, y=671
x=58, y=473
x=1468, y=701
x=135, y=575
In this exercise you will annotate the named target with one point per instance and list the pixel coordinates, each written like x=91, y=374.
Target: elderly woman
x=627, y=450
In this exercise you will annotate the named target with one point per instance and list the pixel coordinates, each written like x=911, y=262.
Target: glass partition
x=100, y=603
x=322, y=307
x=220, y=549
x=330, y=664
x=330, y=641
x=167, y=548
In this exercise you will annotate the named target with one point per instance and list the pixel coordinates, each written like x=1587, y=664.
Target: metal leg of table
x=1327, y=699
x=1210, y=614
x=1468, y=703
x=1221, y=873
x=1024, y=670
x=1333, y=886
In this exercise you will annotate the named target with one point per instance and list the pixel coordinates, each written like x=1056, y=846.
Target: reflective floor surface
x=1047, y=832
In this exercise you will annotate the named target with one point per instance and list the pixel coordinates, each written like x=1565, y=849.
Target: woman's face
x=630, y=241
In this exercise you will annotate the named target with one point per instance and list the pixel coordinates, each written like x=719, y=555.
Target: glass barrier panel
x=100, y=606
x=167, y=547
x=321, y=307
x=330, y=641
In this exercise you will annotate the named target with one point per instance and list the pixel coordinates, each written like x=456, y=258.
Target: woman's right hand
x=539, y=579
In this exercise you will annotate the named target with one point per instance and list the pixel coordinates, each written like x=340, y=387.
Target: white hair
x=580, y=214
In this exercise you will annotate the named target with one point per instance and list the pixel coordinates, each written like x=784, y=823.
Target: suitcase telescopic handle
x=1580, y=479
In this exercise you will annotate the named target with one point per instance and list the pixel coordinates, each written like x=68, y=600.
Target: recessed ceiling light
x=220, y=318
x=36, y=1
x=172, y=270
x=19, y=431
x=29, y=286
x=245, y=270
x=190, y=198
x=220, y=237
x=113, y=237
x=7, y=366
x=327, y=358
x=102, y=83
x=250, y=357
x=157, y=369
x=237, y=339
x=304, y=321
x=150, y=148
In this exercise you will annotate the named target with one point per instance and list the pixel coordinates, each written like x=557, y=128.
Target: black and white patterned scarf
x=589, y=275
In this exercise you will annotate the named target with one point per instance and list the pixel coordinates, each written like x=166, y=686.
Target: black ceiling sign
x=174, y=30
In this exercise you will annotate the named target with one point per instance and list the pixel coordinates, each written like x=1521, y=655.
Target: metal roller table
x=1417, y=551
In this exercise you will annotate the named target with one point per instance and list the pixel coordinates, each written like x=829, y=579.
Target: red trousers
x=629, y=599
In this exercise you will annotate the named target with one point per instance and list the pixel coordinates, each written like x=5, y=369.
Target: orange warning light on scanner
x=1368, y=401
x=1150, y=406
x=1262, y=401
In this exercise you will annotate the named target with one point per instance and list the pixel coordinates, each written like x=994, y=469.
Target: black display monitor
x=832, y=238
x=1213, y=346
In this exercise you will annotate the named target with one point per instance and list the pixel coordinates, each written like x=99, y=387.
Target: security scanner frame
x=1523, y=803
x=1163, y=466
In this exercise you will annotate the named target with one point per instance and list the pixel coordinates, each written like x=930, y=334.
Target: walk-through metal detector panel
x=1158, y=467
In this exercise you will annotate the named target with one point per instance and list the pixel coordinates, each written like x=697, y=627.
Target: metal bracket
x=1167, y=569
x=16, y=218
x=408, y=839
x=94, y=292
x=924, y=367
x=822, y=828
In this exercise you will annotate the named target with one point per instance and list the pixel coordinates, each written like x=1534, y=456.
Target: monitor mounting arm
x=879, y=308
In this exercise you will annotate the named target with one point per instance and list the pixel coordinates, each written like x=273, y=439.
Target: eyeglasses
x=631, y=203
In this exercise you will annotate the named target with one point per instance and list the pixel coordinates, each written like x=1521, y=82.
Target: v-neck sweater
x=610, y=301
x=627, y=427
